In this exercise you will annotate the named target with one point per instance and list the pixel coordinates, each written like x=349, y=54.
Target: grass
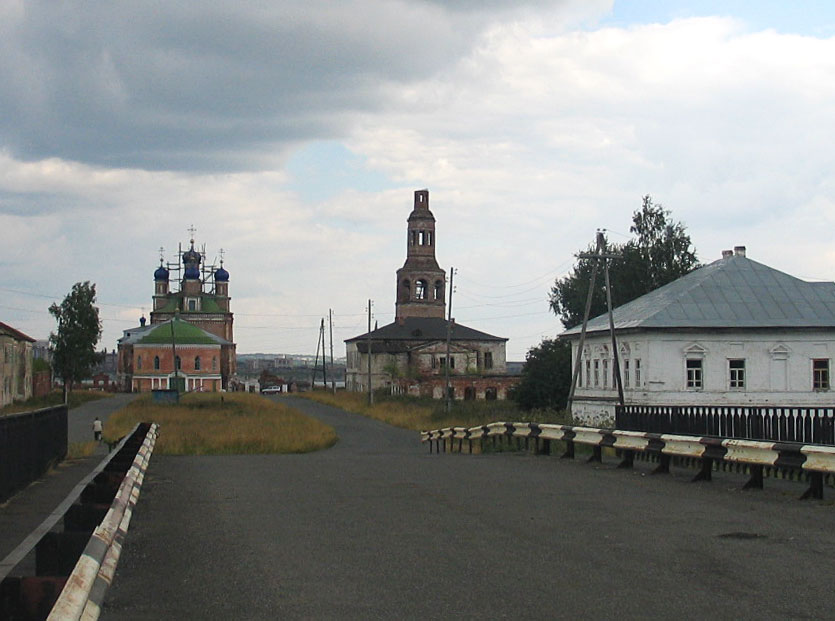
x=74, y=399
x=228, y=424
x=79, y=450
x=421, y=414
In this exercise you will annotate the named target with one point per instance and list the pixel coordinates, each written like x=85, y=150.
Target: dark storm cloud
x=209, y=85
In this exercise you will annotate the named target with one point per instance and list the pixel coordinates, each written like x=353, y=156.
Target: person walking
x=97, y=429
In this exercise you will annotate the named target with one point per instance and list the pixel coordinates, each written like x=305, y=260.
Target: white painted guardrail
x=84, y=592
x=813, y=459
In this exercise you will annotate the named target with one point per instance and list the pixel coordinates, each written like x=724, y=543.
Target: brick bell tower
x=420, y=282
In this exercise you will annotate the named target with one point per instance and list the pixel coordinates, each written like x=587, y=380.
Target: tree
x=79, y=328
x=660, y=253
x=546, y=376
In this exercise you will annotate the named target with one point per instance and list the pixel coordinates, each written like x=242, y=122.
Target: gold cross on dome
x=192, y=231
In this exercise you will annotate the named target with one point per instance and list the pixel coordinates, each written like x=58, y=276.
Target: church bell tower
x=420, y=282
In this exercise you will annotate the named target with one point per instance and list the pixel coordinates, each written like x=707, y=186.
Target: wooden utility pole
x=447, y=403
x=368, y=353
x=598, y=255
x=330, y=329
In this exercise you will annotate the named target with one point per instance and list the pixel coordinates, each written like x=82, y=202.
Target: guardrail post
x=815, y=486
x=569, y=450
x=627, y=459
x=596, y=454
x=663, y=466
x=706, y=471
x=756, y=480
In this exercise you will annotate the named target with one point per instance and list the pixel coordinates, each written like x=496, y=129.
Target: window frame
x=694, y=373
x=736, y=374
x=821, y=379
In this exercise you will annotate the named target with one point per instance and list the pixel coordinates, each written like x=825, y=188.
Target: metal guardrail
x=100, y=504
x=814, y=460
x=30, y=443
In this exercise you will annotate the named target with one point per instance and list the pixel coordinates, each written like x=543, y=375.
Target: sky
x=293, y=135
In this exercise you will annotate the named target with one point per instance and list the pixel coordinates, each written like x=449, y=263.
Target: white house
x=734, y=332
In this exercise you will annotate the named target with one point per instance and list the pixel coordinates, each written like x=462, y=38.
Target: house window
x=214, y=360
x=488, y=360
x=596, y=373
x=469, y=393
x=451, y=362
x=192, y=305
x=605, y=372
x=588, y=373
x=736, y=373
x=139, y=362
x=694, y=373
x=197, y=363
x=420, y=290
x=626, y=373
x=490, y=394
x=637, y=373
x=820, y=374
x=156, y=363
x=178, y=362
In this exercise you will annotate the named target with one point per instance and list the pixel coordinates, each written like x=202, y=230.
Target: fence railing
x=809, y=425
x=813, y=461
x=30, y=443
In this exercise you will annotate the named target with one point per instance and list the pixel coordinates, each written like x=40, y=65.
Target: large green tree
x=79, y=328
x=660, y=252
x=546, y=376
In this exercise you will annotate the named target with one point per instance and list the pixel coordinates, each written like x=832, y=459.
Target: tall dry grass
x=227, y=424
x=420, y=414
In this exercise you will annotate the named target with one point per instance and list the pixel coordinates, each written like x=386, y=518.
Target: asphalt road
x=377, y=528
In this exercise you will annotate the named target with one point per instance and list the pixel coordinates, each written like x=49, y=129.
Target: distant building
x=734, y=332
x=15, y=365
x=199, y=298
x=409, y=356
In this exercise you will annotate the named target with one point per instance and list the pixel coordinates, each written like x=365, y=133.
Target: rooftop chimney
x=727, y=253
x=739, y=251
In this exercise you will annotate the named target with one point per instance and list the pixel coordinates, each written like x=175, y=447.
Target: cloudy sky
x=293, y=134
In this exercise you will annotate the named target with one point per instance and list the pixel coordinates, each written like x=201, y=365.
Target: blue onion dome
x=161, y=273
x=192, y=272
x=191, y=257
x=221, y=275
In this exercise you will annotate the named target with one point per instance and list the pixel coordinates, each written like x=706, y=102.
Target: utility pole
x=330, y=329
x=448, y=404
x=324, y=356
x=368, y=353
x=316, y=360
x=597, y=255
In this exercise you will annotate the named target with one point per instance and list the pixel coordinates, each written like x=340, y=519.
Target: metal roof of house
x=733, y=292
x=425, y=329
x=16, y=334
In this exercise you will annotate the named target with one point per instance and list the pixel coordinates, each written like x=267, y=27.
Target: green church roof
x=185, y=333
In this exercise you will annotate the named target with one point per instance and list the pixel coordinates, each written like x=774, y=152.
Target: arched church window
x=197, y=363
x=156, y=363
x=428, y=238
x=139, y=362
x=412, y=237
x=420, y=290
x=439, y=289
x=178, y=362
x=422, y=238
x=214, y=363
x=192, y=305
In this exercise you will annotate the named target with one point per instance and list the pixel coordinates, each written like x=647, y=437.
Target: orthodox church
x=189, y=342
x=409, y=356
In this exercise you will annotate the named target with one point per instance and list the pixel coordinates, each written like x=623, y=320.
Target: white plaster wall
x=778, y=369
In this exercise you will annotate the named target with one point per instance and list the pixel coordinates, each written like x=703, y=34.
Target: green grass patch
x=421, y=414
x=56, y=397
x=227, y=424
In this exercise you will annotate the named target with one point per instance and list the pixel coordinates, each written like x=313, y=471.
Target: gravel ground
x=378, y=528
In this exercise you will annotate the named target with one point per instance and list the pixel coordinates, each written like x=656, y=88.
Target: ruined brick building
x=189, y=340
x=409, y=356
